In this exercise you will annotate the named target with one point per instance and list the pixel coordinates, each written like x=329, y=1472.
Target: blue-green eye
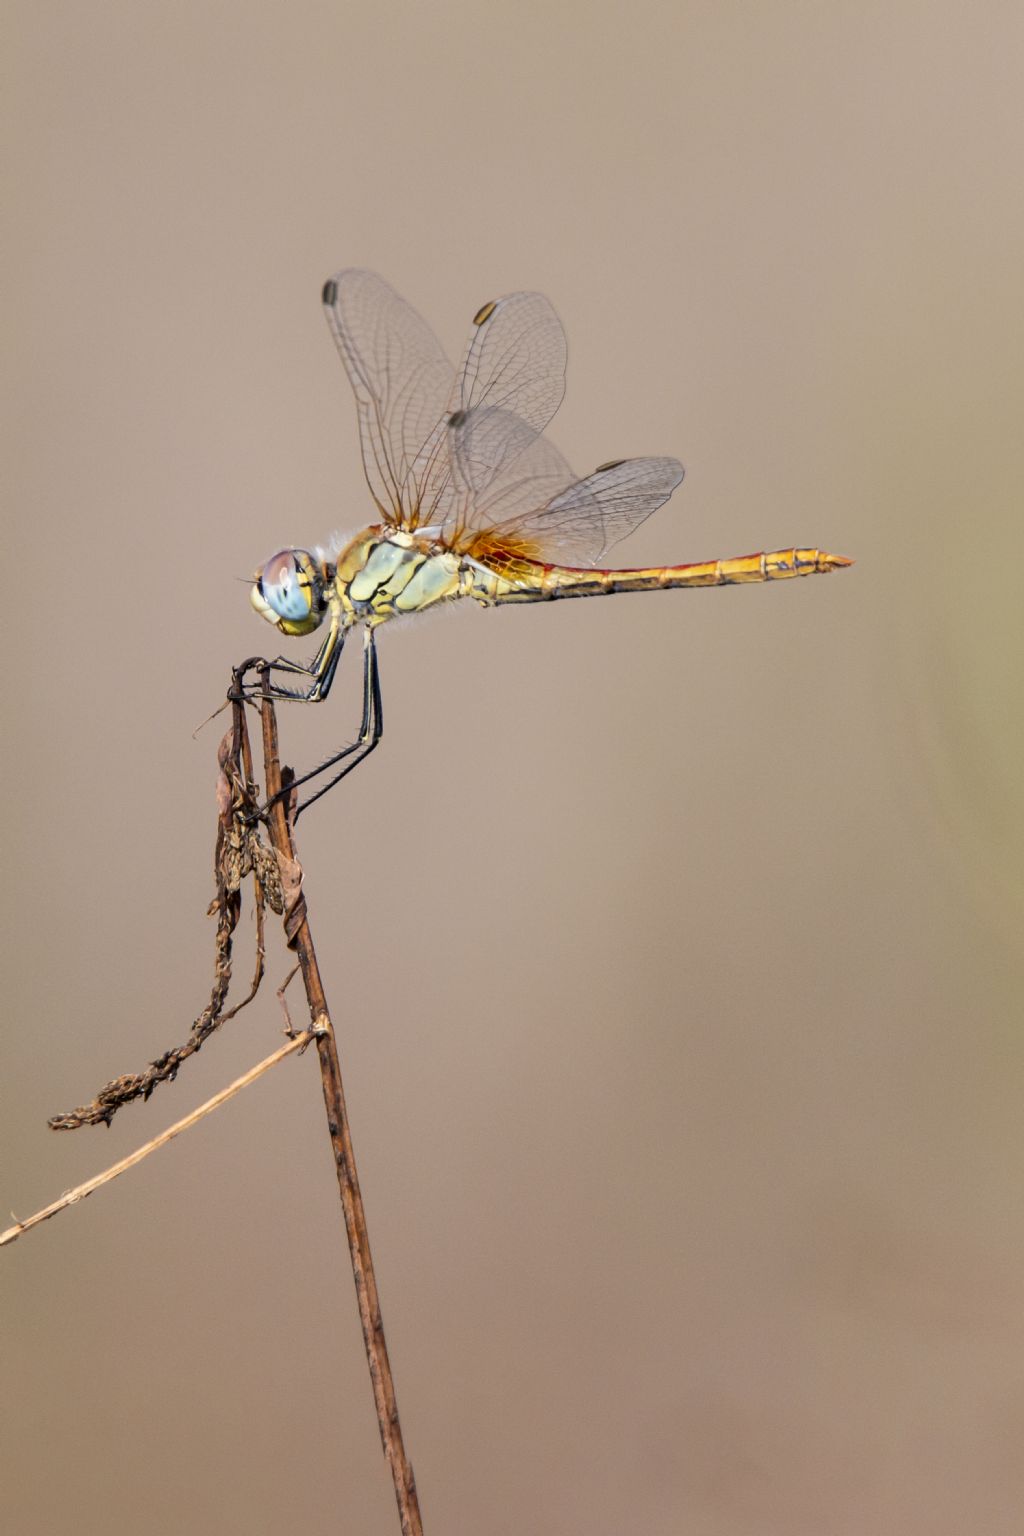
x=286, y=586
x=288, y=592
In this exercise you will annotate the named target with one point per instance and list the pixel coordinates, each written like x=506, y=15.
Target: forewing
x=515, y=360
x=403, y=385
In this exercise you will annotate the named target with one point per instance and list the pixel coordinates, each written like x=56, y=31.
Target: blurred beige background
x=675, y=940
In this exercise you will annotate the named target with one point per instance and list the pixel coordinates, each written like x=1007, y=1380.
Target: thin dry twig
x=239, y=852
x=277, y=876
x=73, y=1196
x=289, y=1027
x=300, y=939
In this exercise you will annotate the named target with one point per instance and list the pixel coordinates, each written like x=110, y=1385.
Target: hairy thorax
x=381, y=575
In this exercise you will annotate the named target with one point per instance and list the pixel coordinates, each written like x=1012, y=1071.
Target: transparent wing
x=501, y=469
x=588, y=517
x=403, y=384
x=406, y=389
x=514, y=360
x=516, y=497
x=512, y=371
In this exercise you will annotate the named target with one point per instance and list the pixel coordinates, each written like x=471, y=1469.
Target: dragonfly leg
x=321, y=669
x=277, y=691
x=370, y=731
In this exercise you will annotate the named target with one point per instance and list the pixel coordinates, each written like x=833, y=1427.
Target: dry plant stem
x=73, y=1196
x=299, y=937
x=238, y=852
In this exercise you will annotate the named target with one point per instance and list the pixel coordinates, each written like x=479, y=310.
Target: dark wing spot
x=485, y=312
x=456, y=418
x=330, y=293
x=612, y=464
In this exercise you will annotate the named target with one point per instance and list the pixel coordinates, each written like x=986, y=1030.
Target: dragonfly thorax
x=386, y=572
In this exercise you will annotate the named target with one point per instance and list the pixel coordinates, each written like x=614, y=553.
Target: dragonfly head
x=289, y=592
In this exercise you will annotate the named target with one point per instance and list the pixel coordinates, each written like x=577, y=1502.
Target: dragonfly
x=473, y=500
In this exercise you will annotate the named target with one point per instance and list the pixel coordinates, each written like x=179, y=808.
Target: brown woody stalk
x=300, y=939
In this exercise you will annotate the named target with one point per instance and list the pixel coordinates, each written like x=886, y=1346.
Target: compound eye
x=286, y=586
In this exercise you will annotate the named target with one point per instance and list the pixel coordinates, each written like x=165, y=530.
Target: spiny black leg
x=327, y=673
x=370, y=733
x=289, y=664
x=369, y=663
x=254, y=689
x=321, y=671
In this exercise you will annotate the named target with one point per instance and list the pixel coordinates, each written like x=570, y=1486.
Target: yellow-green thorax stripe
x=378, y=578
